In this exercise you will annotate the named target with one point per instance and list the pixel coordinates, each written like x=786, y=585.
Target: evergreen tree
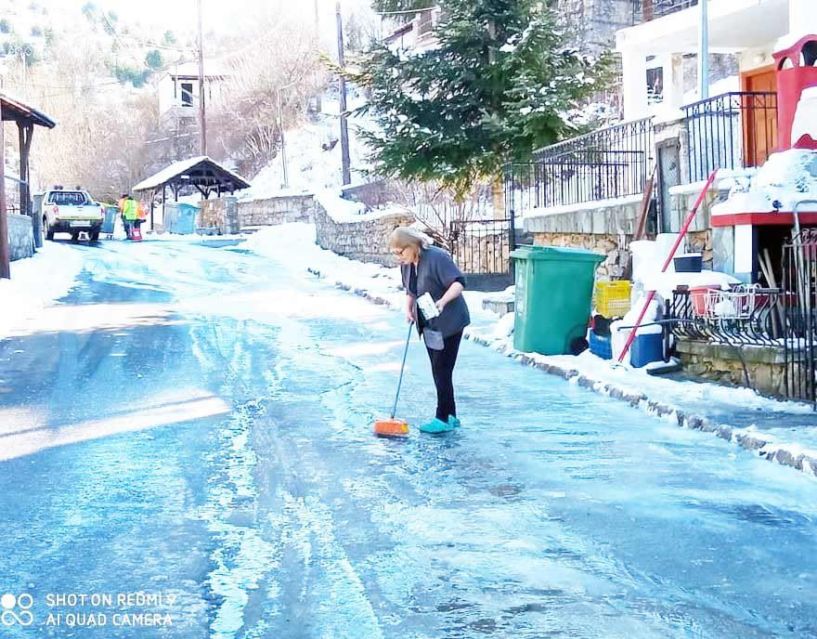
x=153, y=59
x=498, y=85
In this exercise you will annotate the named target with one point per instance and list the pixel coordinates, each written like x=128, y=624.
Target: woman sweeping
x=430, y=271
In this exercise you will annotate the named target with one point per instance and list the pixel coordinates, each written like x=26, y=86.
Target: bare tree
x=268, y=89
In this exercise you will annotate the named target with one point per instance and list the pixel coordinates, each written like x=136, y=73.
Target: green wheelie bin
x=554, y=291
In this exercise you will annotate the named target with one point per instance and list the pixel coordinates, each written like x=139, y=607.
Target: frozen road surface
x=186, y=452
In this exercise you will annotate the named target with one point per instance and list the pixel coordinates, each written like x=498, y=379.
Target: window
x=187, y=94
x=655, y=85
x=68, y=198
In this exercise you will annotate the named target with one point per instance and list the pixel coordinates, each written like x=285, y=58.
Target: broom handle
x=402, y=366
x=687, y=223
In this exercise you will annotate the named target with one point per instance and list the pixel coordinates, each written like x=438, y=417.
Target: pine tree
x=497, y=86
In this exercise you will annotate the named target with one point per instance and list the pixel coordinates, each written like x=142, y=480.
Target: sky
x=218, y=15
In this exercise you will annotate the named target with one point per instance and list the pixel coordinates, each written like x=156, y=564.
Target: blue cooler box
x=647, y=348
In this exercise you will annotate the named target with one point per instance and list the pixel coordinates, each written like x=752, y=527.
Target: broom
x=392, y=427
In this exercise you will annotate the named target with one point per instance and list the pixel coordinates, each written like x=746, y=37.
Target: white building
x=592, y=186
x=179, y=89
x=750, y=29
x=415, y=34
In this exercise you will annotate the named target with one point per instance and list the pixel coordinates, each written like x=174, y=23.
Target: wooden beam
x=21, y=186
x=152, y=202
x=5, y=260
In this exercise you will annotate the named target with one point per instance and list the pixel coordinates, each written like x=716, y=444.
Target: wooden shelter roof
x=16, y=111
x=202, y=172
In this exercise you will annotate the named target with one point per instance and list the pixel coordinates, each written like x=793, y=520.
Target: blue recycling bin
x=109, y=223
x=180, y=218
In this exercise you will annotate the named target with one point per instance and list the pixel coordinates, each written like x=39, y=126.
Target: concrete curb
x=765, y=447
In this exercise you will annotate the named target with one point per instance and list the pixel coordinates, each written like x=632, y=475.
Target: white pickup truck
x=71, y=211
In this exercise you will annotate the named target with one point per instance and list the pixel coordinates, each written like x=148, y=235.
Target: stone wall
x=366, y=241
x=617, y=261
x=608, y=227
x=276, y=210
x=602, y=227
x=721, y=363
x=21, y=237
x=228, y=215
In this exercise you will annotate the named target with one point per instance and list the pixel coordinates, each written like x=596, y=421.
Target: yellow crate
x=612, y=298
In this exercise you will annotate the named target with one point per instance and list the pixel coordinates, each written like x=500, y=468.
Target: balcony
x=647, y=10
x=730, y=131
x=671, y=26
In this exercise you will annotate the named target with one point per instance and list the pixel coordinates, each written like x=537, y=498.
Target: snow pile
x=648, y=258
x=345, y=211
x=786, y=178
x=36, y=283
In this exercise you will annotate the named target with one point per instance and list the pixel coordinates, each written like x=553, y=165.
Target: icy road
x=186, y=452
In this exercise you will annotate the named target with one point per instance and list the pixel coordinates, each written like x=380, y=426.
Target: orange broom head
x=391, y=428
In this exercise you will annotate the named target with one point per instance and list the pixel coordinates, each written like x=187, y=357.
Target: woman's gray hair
x=404, y=236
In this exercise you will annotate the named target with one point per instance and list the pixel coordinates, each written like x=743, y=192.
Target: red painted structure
x=796, y=71
x=763, y=219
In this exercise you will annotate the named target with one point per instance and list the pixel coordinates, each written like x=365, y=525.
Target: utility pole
x=202, y=111
x=318, y=47
x=5, y=260
x=703, y=51
x=283, y=142
x=344, y=116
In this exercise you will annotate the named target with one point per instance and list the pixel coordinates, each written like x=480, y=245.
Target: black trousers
x=442, y=368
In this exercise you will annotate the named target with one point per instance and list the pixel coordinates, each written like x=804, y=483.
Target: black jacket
x=436, y=272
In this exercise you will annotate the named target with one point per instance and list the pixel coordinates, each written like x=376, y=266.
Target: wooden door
x=759, y=115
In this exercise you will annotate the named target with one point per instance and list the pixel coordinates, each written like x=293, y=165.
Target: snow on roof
x=182, y=168
x=785, y=179
x=191, y=69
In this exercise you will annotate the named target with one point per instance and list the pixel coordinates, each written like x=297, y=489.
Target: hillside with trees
x=117, y=136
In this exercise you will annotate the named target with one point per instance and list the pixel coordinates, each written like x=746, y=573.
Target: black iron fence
x=800, y=277
x=740, y=316
x=482, y=247
x=730, y=131
x=646, y=10
x=605, y=164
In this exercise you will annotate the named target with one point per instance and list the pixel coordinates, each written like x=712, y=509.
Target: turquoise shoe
x=436, y=426
x=455, y=423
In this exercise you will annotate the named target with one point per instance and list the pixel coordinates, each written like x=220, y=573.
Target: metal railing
x=605, y=164
x=730, y=131
x=646, y=10
x=742, y=316
x=483, y=246
x=800, y=277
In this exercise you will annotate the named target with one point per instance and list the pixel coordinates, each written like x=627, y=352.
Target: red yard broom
x=392, y=427
x=687, y=223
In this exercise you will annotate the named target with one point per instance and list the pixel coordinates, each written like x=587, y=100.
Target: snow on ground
x=680, y=400
x=36, y=283
x=313, y=155
x=39, y=281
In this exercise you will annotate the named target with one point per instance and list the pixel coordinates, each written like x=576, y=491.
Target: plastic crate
x=601, y=345
x=612, y=298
